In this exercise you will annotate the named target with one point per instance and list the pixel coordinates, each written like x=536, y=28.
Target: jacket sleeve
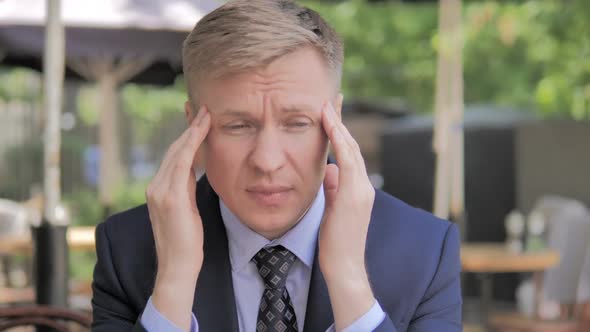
x=111, y=311
x=440, y=307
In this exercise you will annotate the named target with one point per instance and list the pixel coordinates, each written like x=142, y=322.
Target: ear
x=189, y=112
x=337, y=102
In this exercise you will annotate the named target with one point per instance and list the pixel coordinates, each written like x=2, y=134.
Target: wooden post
x=448, y=129
x=53, y=78
x=50, y=244
x=109, y=75
x=111, y=168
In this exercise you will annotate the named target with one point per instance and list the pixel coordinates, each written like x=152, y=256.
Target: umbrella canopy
x=109, y=42
x=122, y=30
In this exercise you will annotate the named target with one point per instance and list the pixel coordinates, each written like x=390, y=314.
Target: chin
x=271, y=226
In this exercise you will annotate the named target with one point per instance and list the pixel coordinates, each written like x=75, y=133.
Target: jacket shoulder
x=129, y=219
x=409, y=249
x=395, y=215
x=126, y=254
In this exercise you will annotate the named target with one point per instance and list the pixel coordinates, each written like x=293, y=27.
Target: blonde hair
x=247, y=34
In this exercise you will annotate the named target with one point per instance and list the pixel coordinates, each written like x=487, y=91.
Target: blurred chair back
x=549, y=205
x=584, y=285
x=14, y=219
x=569, y=234
x=584, y=294
x=59, y=319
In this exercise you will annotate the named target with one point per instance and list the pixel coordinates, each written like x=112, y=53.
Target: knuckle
x=355, y=146
x=172, y=147
x=181, y=165
x=149, y=192
x=168, y=202
x=345, y=161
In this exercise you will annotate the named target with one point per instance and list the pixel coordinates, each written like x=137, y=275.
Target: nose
x=268, y=155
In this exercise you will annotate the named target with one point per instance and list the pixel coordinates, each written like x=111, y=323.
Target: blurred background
x=514, y=88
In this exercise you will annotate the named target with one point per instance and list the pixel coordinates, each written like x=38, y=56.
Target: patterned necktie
x=276, y=309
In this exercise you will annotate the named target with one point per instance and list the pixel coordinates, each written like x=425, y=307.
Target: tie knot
x=273, y=265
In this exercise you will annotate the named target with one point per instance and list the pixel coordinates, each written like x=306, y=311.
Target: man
x=272, y=238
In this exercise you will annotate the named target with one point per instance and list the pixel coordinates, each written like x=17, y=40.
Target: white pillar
x=53, y=77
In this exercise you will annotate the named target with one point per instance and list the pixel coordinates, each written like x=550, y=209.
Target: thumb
x=331, y=184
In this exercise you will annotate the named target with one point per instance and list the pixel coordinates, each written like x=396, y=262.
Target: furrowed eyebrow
x=236, y=113
x=288, y=109
x=297, y=109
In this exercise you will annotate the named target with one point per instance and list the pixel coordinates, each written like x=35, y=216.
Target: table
x=484, y=259
x=496, y=258
x=79, y=239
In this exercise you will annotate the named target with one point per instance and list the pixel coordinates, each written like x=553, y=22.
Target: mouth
x=269, y=195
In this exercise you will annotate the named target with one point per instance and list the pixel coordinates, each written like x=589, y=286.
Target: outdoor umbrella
x=109, y=42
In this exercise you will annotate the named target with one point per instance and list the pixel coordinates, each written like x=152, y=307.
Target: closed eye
x=299, y=124
x=239, y=127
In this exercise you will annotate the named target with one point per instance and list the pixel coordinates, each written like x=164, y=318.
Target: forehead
x=300, y=77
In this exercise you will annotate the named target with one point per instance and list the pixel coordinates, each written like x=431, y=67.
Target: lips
x=269, y=195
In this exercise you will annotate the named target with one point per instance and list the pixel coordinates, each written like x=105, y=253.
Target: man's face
x=266, y=151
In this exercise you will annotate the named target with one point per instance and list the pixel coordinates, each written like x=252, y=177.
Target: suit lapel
x=214, y=305
x=318, y=315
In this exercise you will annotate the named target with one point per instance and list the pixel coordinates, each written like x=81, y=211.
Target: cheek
x=308, y=149
x=223, y=156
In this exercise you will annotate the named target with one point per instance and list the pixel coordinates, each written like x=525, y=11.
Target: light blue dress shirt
x=248, y=285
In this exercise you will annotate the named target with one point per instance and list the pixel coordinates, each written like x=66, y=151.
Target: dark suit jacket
x=412, y=262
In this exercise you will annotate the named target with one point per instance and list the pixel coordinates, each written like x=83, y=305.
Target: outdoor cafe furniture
x=485, y=259
x=59, y=319
x=79, y=239
x=14, y=222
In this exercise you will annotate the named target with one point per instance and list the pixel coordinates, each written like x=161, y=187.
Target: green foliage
x=84, y=207
x=23, y=167
x=150, y=105
x=88, y=104
x=19, y=84
x=82, y=265
x=130, y=195
x=86, y=211
x=533, y=54
x=388, y=51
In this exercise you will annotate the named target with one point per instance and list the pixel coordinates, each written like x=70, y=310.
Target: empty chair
x=14, y=221
x=58, y=319
x=584, y=284
x=568, y=233
x=549, y=205
x=584, y=293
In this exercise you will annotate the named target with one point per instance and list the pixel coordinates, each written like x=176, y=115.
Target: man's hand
x=177, y=225
x=343, y=233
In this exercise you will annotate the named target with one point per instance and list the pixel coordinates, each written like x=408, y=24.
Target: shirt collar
x=301, y=240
